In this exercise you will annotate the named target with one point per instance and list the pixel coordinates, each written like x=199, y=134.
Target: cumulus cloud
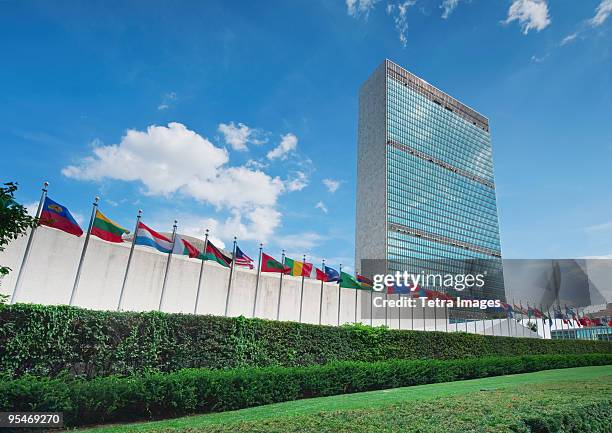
x=298, y=182
x=448, y=6
x=356, y=8
x=287, y=145
x=531, y=14
x=331, y=185
x=602, y=13
x=399, y=12
x=174, y=159
x=258, y=225
x=321, y=205
x=240, y=135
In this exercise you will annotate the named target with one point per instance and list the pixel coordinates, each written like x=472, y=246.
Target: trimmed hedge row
x=48, y=340
x=165, y=395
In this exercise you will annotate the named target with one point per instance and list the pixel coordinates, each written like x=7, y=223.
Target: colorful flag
x=242, y=259
x=216, y=255
x=182, y=247
x=59, y=217
x=347, y=281
x=106, y=229
x=420, y=292
x=150, y=238
x=297, y=268
x=395, y=288
x=270, y=264
x=331, y=274
x=508, y=309
x=365, y=282
x=320, y=275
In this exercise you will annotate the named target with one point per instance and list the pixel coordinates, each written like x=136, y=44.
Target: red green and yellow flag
x=270, y=264
x=297, y=268
x=347, y=281
x=216, y=255
x=106, y=229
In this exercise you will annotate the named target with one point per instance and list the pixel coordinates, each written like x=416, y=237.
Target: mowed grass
x=496, y=404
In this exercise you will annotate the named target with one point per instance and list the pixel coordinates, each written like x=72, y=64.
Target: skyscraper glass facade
x=441, y=212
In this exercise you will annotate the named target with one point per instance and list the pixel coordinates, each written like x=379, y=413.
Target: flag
x=182, y=247
x=59, y=217
x=365, y=282
x=508, y=309
x=395, y=288
x=420, y=292
x=331, y=274
x=216, y=255
x=242, y=259
x=106, y=229
x=347, y=281
x=297, y=268
x=519, y=310
x=150, y=238
x=270, y=264
x=320, y=275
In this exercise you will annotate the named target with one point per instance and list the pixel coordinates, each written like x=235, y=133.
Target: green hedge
x=164, y=395
x=48, y=340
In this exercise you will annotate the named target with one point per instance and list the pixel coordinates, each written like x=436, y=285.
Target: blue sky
x=242, y=116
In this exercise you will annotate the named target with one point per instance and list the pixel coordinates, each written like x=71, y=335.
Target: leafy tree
x=14, y=219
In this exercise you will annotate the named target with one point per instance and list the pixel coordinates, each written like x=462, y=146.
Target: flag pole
x=371, y=307
x=339, y=291
x=356, y=300
x=302, y=289
x=257, y=280
x=26, y=254
x=127, y=269
x=522, y=317
x=321, y=298
x=84, y=250
x=543, y=322
x=280, y=288
x=195, y=307
x=163, y=291
x=229, y=284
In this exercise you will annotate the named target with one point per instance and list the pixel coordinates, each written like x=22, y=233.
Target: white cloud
x=31, y=208
x=298, y=182
x=299, y=241
x=399, y=12
x=537, y=59
x=175, y=159
x=600, y=227
x=331, y=185
x=356, y=8
x=238, y=136
x=258, y=225
x=448, y=6
x=321, y=205
x=569, y=38
x=531, y=14
x=167, y=99
x=288, y=144
x=602, y=13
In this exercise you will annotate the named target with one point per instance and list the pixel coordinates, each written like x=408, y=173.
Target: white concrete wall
x=52, y=264
x=51, y=269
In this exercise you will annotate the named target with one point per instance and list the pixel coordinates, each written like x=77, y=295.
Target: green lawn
x=496, y=404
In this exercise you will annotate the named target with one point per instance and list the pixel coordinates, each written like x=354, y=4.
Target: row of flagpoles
x=55, y=215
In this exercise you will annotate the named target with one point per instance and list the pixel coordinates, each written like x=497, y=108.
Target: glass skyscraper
x=426, y=193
